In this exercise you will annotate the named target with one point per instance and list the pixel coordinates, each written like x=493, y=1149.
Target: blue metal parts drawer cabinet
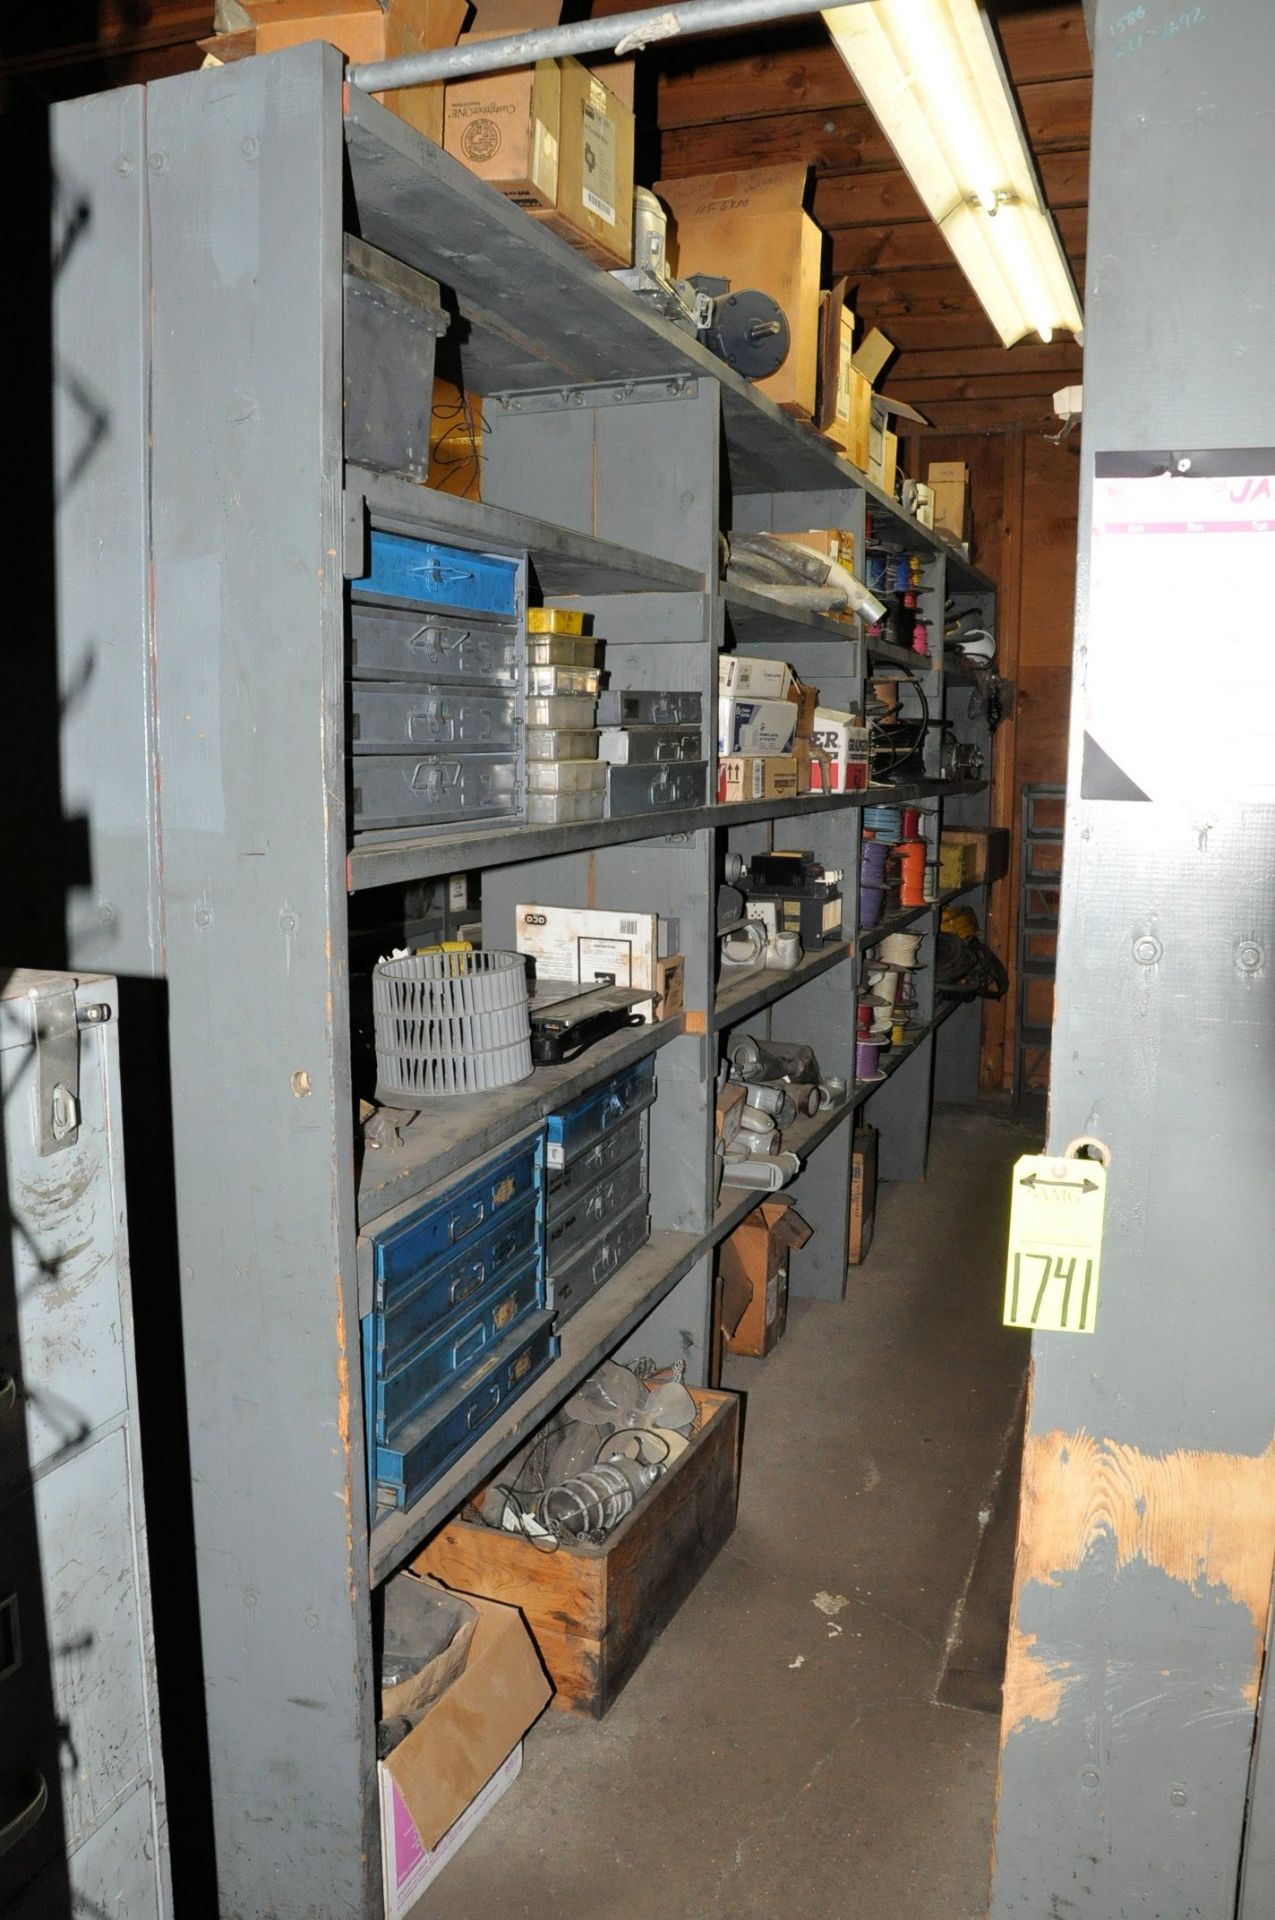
x=458, y=1325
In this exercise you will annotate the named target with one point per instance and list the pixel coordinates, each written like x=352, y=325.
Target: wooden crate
x=594, y=1611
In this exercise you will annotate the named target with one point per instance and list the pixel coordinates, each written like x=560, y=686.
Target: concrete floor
x=775, y=1756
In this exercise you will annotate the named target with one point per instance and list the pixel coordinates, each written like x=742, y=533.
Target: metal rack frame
x=206, y=750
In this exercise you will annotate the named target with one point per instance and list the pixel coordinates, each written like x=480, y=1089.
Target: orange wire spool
x=911, y=855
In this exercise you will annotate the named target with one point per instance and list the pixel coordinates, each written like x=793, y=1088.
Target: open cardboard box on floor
x=460, y=1745
x=752, y=1269
x=752, y=228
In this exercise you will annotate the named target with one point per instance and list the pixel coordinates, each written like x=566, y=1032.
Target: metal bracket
x=57, y=1068
x=608, y=393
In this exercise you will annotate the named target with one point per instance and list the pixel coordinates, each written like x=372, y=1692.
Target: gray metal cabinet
x=81, y=1797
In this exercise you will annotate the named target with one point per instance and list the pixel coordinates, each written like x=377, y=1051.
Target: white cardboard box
x=847, y=747
x=755, y=726
x=408, y=1866
x=759, y=679
x=586, y=944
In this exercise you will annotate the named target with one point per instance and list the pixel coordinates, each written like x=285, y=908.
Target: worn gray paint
x=81, y=1705
x=1170, y=1062
x=246, y=224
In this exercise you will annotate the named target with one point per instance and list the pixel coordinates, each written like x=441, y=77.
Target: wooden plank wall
x=58, y=52
x=1025, y=494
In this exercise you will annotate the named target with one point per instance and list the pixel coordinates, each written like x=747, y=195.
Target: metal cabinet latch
x=57, y=1021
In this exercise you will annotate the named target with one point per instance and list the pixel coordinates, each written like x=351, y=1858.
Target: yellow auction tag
x=1055, y=1244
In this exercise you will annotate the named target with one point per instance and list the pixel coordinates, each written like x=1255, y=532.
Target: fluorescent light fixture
x=932, y=75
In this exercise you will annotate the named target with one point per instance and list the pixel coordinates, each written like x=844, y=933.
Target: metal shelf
x=886, y=655
x=892, y=923
x=593, y=1333
x=738, y=999
x=897, y=1056
x=756, y=619
x=451, y=1132
x=588, y=1337
x=539, y=318
x=566, y=564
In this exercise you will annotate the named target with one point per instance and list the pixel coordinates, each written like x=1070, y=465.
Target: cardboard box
x=805, y=699
x=814, y=768
x=751, y=227
x=419, y=1689
x=844, y=749
x=760, y=679
x=408, y=1867
x=744, y=776
x=753, y=1269
x=363, y=30
x=956, y=863
x=505, y=128
x=950, y=483
x=922, y=502
x=863, y=1194
x=593, y=1611
x=832, y=323
x=670, y=985
x=989, y=850
x=594, y=207
x=754, y=726
x=588, y=944
x=469, y=1733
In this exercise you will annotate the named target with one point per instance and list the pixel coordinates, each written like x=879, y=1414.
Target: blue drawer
x=405, y=1253
x=579, y=1125
x=424, y=1450
x=402, y=1388
x=591, y=1209
x=426, y=574
x=459, y=1282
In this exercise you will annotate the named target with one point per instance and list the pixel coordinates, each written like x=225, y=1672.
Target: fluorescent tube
x=931, y=73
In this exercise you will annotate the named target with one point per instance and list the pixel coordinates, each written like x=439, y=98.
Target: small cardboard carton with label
x=591, y=946
x=594, y=205
x=745, y=776
x=753, y=1273
x=751, y=226
x=844, y=752
x=504, y=126
x=949, y=481
x=759, y=679
x=755, y=726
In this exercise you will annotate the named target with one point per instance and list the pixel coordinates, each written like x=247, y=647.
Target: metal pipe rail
x=621, y=33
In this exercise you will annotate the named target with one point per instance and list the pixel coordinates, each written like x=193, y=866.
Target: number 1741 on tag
x=1055, y=1244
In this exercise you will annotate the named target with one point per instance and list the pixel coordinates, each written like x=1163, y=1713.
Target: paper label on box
x=772, y=1298
x=598, y=191
x=544, y=161
x=843, y=384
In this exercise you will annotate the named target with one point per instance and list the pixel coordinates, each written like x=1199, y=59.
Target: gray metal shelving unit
x=1039, y=893
x=206, y=749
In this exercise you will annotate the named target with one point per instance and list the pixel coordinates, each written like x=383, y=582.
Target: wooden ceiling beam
x=888, y=198
x=799, y=69
x=860, y=251
x=1010, y=384
x=1060, y=360
x=991, y=416
x=844, y=139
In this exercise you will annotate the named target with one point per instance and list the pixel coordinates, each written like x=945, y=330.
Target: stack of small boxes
x=653, y=743
x=565, y=779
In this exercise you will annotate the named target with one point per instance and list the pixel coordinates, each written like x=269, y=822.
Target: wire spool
x=912, y=873
x=450, y=1023
x=867, y=1053
x=886, y=823
x=871, y=902
x=899, y=949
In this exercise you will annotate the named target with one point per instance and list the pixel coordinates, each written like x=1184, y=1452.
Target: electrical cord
x=922, y=726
